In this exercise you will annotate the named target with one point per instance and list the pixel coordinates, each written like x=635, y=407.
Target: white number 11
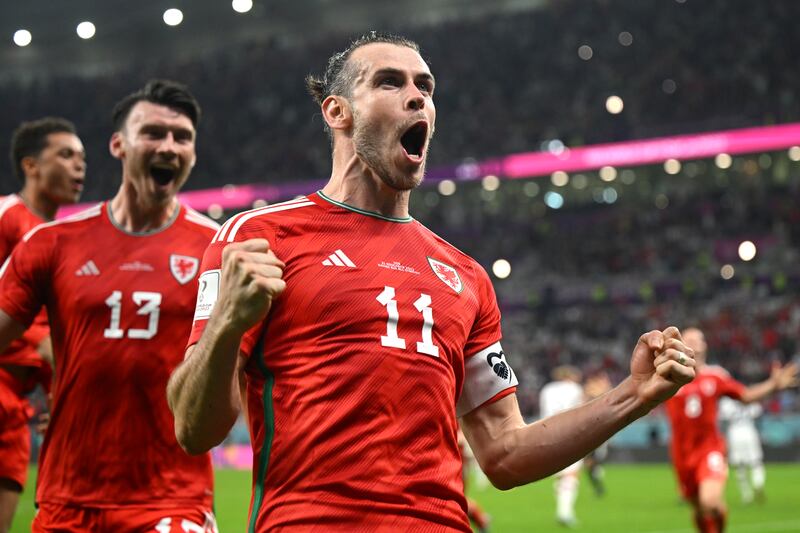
x=391, y=339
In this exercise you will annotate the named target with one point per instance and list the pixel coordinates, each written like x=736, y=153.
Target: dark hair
x=339, y=74
x=30, y=138
x=168, y=93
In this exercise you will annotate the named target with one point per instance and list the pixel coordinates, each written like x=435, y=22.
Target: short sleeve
x=487, y=375
x=209, y=285
x=732, y=388
x=25, y=278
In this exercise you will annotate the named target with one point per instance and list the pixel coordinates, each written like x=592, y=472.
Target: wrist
x=627, y=402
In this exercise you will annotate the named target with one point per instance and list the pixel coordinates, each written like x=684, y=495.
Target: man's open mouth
x=414, y=139
x=162, y=174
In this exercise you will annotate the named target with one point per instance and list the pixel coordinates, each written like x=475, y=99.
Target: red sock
x=720, y=518
x=707, y=523
x=477, y=514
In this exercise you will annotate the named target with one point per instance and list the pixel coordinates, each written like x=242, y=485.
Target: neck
x=356, y=184
x=138, y=214
x=41, y=205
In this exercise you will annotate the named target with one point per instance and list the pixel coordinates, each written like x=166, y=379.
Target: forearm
x=758, y=391
x=518, y=453
x=203, y=392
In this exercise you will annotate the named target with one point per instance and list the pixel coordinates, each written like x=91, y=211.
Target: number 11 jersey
x=120, y=310
x=384, y=334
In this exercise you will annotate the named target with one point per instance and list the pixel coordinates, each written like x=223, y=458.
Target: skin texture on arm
x=204, y=391
x=513, y=453
x=10, y=330
x=781, y=377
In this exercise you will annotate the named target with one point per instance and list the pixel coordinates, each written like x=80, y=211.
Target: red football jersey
x=693, y=413
x=120, y=307
x=15, y=221
x=353, y=379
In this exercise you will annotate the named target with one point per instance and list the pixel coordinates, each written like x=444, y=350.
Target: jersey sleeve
x=209, y=286
x=732, y=388
x=487, y=375
x=25, y=278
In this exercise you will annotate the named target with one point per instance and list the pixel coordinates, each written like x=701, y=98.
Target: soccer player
x=697, y=447
x=595, y=386
x=563, y=393
x=744, y=447
x=48, y=158
x=118, y=281
x=361, y=336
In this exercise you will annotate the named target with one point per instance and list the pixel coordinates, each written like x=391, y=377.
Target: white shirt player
x=559, y=396
x=744, y=445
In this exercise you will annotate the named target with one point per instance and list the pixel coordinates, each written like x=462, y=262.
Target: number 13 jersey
x=120, y=310
x=355, y=378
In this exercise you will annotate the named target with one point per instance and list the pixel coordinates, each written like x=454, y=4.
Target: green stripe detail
x=364, y=212
x=269, y=435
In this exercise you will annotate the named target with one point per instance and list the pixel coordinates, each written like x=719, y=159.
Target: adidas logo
x=339, y=259
x=88, y=269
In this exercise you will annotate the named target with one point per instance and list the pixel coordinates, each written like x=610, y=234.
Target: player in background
x=118, y=281
x=563, y=393
x=361, y=336
x=48, y=158
x=744, y=447
x=595, y=386
x=697, y=447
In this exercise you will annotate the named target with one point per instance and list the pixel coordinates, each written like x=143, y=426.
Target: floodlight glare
x=614, y=104
x=173, y=17
x=22, y=37
x=501, y=268
x=242, y=6
x=85, y=30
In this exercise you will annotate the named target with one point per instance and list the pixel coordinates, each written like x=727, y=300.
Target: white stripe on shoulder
x=264, y=211
x=9, y=201
x=200, y=219
x=222, y=233
x=77, y=217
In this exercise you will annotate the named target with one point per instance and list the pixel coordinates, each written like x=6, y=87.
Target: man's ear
x=337, y=113
x=30, y=166
x=115, y=145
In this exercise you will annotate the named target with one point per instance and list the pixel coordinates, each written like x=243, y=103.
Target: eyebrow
x=427, y=76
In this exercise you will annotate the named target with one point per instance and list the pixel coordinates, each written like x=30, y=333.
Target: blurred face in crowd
x=59, y=169
x=393, y=112
x=694, y=339
x=157, y=149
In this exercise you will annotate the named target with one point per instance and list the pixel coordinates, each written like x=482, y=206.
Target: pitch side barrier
x=527, y=165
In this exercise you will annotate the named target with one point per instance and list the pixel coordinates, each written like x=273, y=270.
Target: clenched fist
x=660, y=365
x=251, y=280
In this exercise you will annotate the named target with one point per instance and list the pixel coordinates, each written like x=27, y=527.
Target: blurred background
x=615, y=166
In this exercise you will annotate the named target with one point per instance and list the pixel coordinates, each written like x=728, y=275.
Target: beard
x=377, y=156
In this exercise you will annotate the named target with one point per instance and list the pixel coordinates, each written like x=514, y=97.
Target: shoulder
x=7, y=203
x=716, y=372
x=267, y=217
x=71, y=223
x=450, y=252
x=200, y=221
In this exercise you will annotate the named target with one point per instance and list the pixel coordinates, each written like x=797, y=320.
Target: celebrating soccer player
x=361, y=336
x=49, y=159
x=697, y=447
x=119, y=281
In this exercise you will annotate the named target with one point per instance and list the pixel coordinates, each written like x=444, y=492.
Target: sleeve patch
x=486, y=375
x=207, y=294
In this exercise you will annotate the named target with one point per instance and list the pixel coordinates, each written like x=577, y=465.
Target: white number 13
x=423, y=305
x=148, y=303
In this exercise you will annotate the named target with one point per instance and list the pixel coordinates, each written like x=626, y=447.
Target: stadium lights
x=531, y=189
x=614, y=104
x=662, y=201
x=723, y=161
x=215, y=211
x=625, y=38
x=447, y=187
x=747, y=250
x=610, y=195
x=85, y=30
x=794, y=153
x=608, y=173
x=553, y=200
x=501, y=268
x=585, y=52
x=559, y=178
x=173, y=17
x=727, y=271
x=580, y=181
x=242, y=6
x=669, y=86
x=22, y=37
x=672, y=166
x=259, y=203
x=490, y=183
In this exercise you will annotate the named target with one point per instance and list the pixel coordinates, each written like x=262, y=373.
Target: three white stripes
x=339, y=259
x=88, y=269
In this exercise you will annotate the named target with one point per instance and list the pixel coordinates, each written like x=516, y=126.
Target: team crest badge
x=447, y=274
x=183, y=267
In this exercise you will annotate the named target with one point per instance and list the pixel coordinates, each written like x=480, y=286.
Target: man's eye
x=394, y=82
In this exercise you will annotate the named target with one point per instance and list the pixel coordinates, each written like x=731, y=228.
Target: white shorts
x=744, y=447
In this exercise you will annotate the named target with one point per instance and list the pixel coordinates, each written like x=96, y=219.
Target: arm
x=780, y=378
x=10, y=330
x=203, y=392
x=513, y=453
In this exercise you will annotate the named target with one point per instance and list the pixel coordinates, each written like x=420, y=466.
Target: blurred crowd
x=506, y=83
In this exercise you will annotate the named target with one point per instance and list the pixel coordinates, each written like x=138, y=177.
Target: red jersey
x=353, y=379
x=15, y=221
x=119, y=307
x=693, y=413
